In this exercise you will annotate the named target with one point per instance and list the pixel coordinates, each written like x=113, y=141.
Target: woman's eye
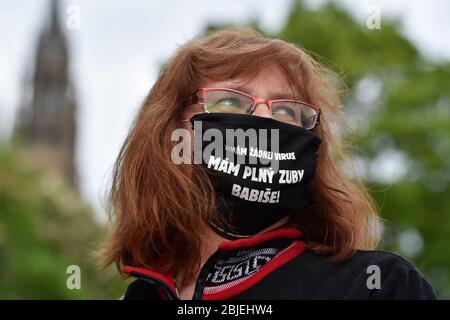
x=284, y=111
x=229, y=102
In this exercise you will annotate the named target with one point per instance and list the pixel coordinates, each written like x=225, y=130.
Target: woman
x=278, y=220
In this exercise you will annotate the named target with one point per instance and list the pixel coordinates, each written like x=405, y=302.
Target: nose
x=262, y=110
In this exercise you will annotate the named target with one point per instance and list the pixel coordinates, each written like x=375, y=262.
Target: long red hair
x=158, y=206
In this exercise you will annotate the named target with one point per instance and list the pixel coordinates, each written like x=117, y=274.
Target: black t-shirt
x=279, y=266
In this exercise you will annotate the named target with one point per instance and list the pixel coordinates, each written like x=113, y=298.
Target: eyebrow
x=272, y=95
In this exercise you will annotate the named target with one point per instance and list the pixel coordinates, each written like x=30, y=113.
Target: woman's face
x=269, y=83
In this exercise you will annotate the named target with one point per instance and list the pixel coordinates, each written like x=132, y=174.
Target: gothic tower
x=47, y=120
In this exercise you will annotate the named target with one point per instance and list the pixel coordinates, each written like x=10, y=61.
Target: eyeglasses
x=225, y=100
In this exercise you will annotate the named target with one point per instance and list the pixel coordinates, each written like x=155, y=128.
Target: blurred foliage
x=44, y=228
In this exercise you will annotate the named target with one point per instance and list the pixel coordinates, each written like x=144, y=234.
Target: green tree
x=44, y=228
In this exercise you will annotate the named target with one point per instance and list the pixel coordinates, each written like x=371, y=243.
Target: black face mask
x=243, y=171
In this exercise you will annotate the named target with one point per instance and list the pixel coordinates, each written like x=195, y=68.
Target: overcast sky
x=119, y=46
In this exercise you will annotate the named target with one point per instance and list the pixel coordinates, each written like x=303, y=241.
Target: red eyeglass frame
x=198, y=97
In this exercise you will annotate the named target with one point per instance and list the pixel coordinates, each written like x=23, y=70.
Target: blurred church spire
x=47, y=119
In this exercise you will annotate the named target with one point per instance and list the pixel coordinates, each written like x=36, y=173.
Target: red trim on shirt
x=282, y=258
x=286, y=255
x=166, y=279
x=290, y=233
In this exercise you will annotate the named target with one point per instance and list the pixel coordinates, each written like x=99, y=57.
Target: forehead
x=269, y=83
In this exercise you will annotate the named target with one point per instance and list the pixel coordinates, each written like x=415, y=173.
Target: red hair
x=158, y=207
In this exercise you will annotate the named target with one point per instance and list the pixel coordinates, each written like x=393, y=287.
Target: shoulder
x=140, y=290
x=399, y=277
x=367, y=274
